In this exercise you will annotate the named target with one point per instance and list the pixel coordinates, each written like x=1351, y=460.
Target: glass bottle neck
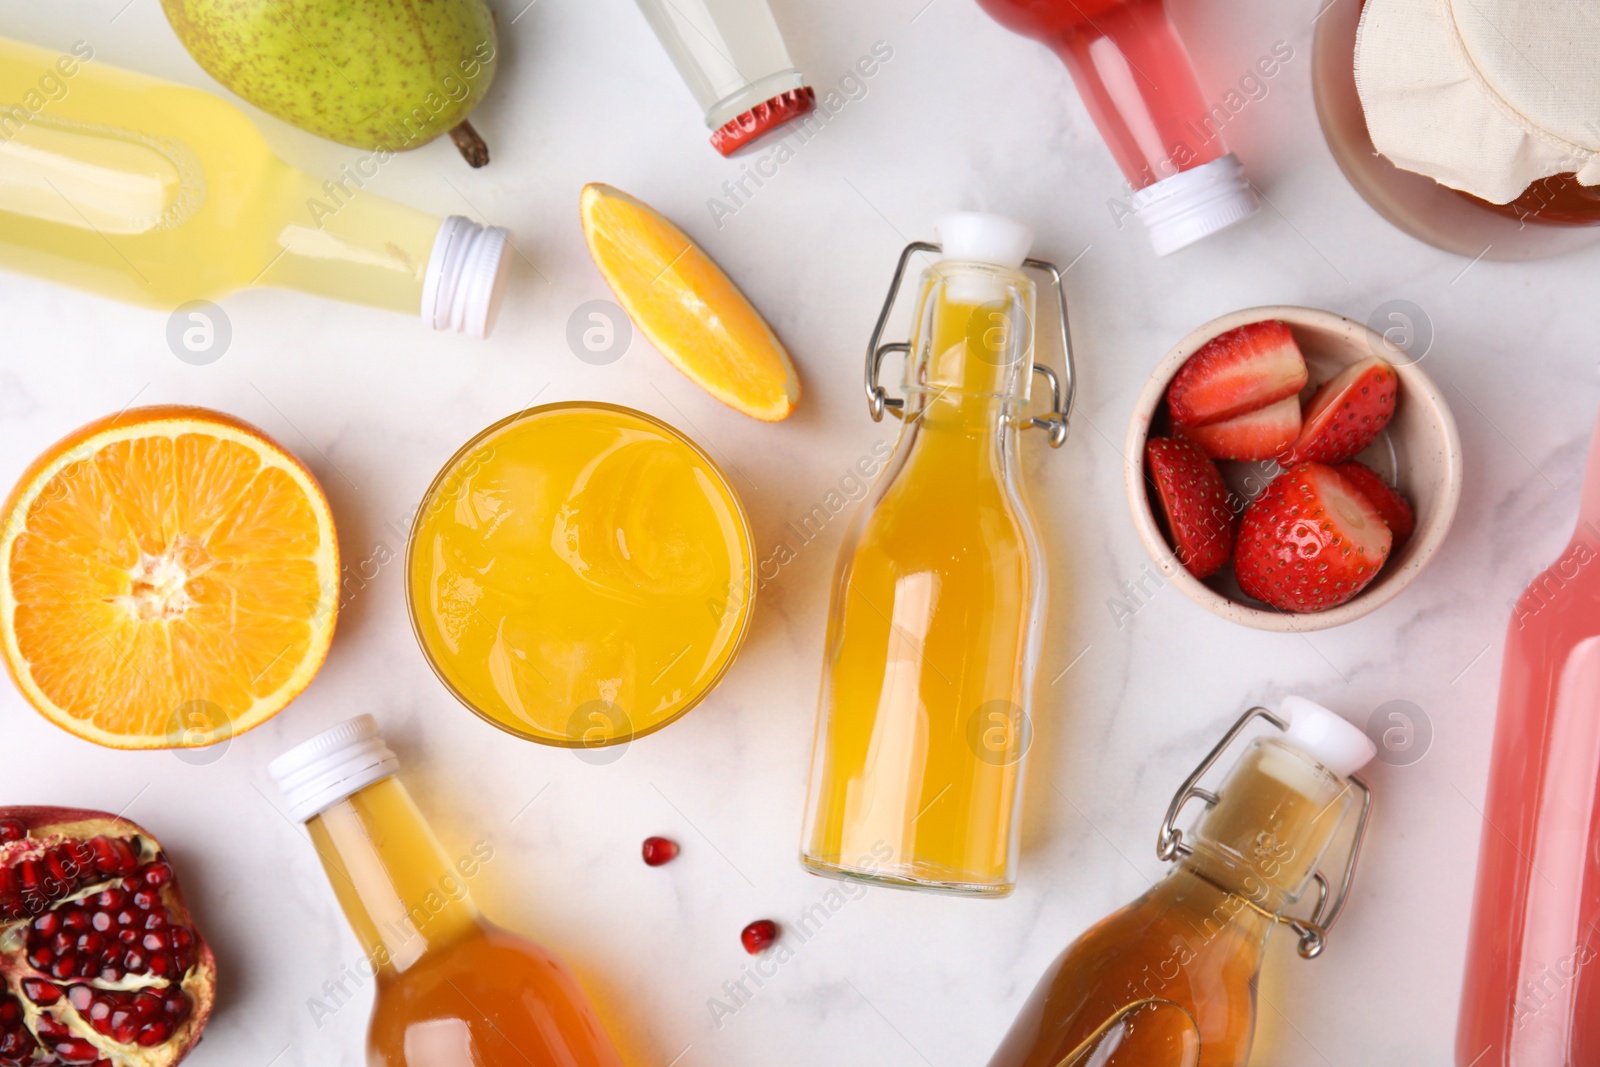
x=335, y=238
x=1275, y=815
x=400, y=891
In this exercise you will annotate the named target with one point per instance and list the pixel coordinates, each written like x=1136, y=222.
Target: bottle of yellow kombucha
x=159, y=195
x=452, y=990
x=939, y=594
x=1196, y=939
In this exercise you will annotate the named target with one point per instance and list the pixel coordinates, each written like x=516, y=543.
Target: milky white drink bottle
x=731, y=55
x=160, y=195
x=1532, y=991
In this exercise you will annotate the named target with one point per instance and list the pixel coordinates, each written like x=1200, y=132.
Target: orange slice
x=169, y=577
x=688, y=308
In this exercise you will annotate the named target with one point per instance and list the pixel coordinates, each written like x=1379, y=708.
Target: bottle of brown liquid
x=450, y=988
x=1178, y=966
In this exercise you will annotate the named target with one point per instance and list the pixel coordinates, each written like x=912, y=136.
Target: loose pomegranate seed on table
x=659, y=850
x=95, y=940
x=758, y=936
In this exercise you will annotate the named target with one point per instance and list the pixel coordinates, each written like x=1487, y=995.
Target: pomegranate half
x=99, y=962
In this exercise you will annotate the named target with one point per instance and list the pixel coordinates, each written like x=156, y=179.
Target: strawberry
x=1194, y=502
x=1235, y=372
x=1347, y=413
x=1391, y=505
x=1260, y=434
x=1310, y=542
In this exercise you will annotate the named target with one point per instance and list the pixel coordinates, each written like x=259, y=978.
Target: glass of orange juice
x=580, y=574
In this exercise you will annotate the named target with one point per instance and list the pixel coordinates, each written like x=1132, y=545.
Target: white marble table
x=963, y=115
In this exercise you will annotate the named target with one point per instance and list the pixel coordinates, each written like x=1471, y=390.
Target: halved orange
x=169, y=577
x=688, y=308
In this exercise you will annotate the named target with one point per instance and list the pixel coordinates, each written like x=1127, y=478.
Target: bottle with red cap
x=732, y=56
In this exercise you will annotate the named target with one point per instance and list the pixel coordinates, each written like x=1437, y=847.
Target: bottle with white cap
x=939, y=594
x=1140, y=88
x=169, y=197
x=1196, y=938
x=451, y=989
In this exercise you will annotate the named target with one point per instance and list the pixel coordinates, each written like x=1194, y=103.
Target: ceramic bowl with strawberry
x=1290, y=469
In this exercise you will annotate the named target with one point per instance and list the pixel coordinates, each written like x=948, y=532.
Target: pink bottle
x=1140, y=88
x=1532, y=992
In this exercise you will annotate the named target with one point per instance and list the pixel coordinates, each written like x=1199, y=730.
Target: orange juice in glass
x=580, y=574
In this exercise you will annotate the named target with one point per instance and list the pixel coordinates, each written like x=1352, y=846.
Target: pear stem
x=472, y=147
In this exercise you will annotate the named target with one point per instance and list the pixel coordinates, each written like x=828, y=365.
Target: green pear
x=380, y=74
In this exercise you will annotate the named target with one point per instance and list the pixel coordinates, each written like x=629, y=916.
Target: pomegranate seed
x=75, y=919
x=134, y=962
x=154, y=943
x=181, y=937
x=176, y=1007
x=56, y=862
x=154, y=1033
x=47, y=924
x=99, y=1011
x=63, y=941
x=157, y=875
x=127, y=861
x=28, y=871
x=101, y=920
x=91, y=942
x=76, y=1050
x=162, y=966
x=10, y=1011
x=80, y=996
x=105, y=856
x=146, y=1006
x=39, y=991
x=123, y=1026
x=127, y=937
x=41, y=957
x=111, y=899
x=12, y=830
x=659, y=850
x=155, y=921
x=147, y=900
x=48, y=1025
x=758, y=935
x=65, y=966
x=126, y=917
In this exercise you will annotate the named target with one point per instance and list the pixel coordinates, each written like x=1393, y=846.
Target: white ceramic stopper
x=974, y=235
x=1325, y=737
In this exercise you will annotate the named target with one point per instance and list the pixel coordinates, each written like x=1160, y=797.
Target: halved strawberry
x=1260, y=434
x=1394, y=508
x=1310, y=542
x=1347, y=413
x=1235, y=372
x=1194, y=502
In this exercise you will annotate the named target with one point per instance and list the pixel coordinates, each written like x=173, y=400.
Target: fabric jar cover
x=1484, y=96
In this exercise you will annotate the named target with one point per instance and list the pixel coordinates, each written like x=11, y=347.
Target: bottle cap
x=317, y=774
x=974, y=235
x=1195, y=203
x=466, y=276
x=745, y=129
x=1325, y=737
